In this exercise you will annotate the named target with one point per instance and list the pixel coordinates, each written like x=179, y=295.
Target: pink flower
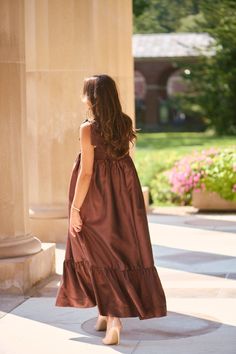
x=209, y=160
x=186, y=173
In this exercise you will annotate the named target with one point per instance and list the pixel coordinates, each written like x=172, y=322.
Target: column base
x=19, y=246
x=19, y=274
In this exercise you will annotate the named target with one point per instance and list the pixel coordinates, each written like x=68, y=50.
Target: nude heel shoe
x=101, y=324
x=113, y=335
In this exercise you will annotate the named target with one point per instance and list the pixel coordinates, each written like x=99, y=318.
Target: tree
x=213, y=78
x=161, y=16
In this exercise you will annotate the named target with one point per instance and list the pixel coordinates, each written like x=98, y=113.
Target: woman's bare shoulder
x=89, y=123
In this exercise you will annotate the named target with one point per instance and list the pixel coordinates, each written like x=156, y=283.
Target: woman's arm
x=86, y=165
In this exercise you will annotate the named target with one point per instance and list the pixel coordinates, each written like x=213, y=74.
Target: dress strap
x=85, y=120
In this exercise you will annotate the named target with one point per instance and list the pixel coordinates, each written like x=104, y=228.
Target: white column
x=21, y=253
x=67, y=41
x=15, y=236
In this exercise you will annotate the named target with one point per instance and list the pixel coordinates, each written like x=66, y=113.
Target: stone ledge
x=19, y=274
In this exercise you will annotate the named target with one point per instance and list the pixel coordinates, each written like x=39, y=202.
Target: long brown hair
x=114, y=125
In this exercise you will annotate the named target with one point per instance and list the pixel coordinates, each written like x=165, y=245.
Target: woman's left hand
x=75, y=222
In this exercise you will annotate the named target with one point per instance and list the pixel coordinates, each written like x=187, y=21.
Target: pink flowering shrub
x=212, y=170
x=189, y=172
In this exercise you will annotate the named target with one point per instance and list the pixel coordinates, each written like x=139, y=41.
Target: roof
x=171, y=45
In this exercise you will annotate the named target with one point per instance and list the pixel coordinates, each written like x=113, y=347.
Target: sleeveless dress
x=110, y=263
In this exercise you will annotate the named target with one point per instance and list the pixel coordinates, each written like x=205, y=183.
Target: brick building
x=157, y=75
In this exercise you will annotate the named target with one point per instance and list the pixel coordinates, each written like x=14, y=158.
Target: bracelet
x=75, y=208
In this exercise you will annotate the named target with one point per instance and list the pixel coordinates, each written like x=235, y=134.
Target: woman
x=108, y=261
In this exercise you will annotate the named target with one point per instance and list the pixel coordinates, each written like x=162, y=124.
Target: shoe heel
x=118, y=335
x=113, y=336
x=101, y=325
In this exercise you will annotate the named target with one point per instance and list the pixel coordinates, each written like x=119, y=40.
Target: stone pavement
x=195, y=258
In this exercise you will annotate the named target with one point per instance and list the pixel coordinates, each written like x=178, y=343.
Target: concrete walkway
x=195, y=258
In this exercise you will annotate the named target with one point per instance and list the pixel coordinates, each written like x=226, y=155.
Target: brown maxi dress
x=110, y=263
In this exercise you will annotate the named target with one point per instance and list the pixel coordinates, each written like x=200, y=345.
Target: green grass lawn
x=156, y=152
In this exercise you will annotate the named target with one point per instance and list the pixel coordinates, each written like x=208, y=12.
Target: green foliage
x=160, y=190
x=157, y=152
x=213, y=78
x=220, y=175
x=191, y=23
x=149, y=165
x=161, y=16
x=139, y=6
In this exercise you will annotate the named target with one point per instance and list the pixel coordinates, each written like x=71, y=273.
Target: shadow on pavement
x=192, y=261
